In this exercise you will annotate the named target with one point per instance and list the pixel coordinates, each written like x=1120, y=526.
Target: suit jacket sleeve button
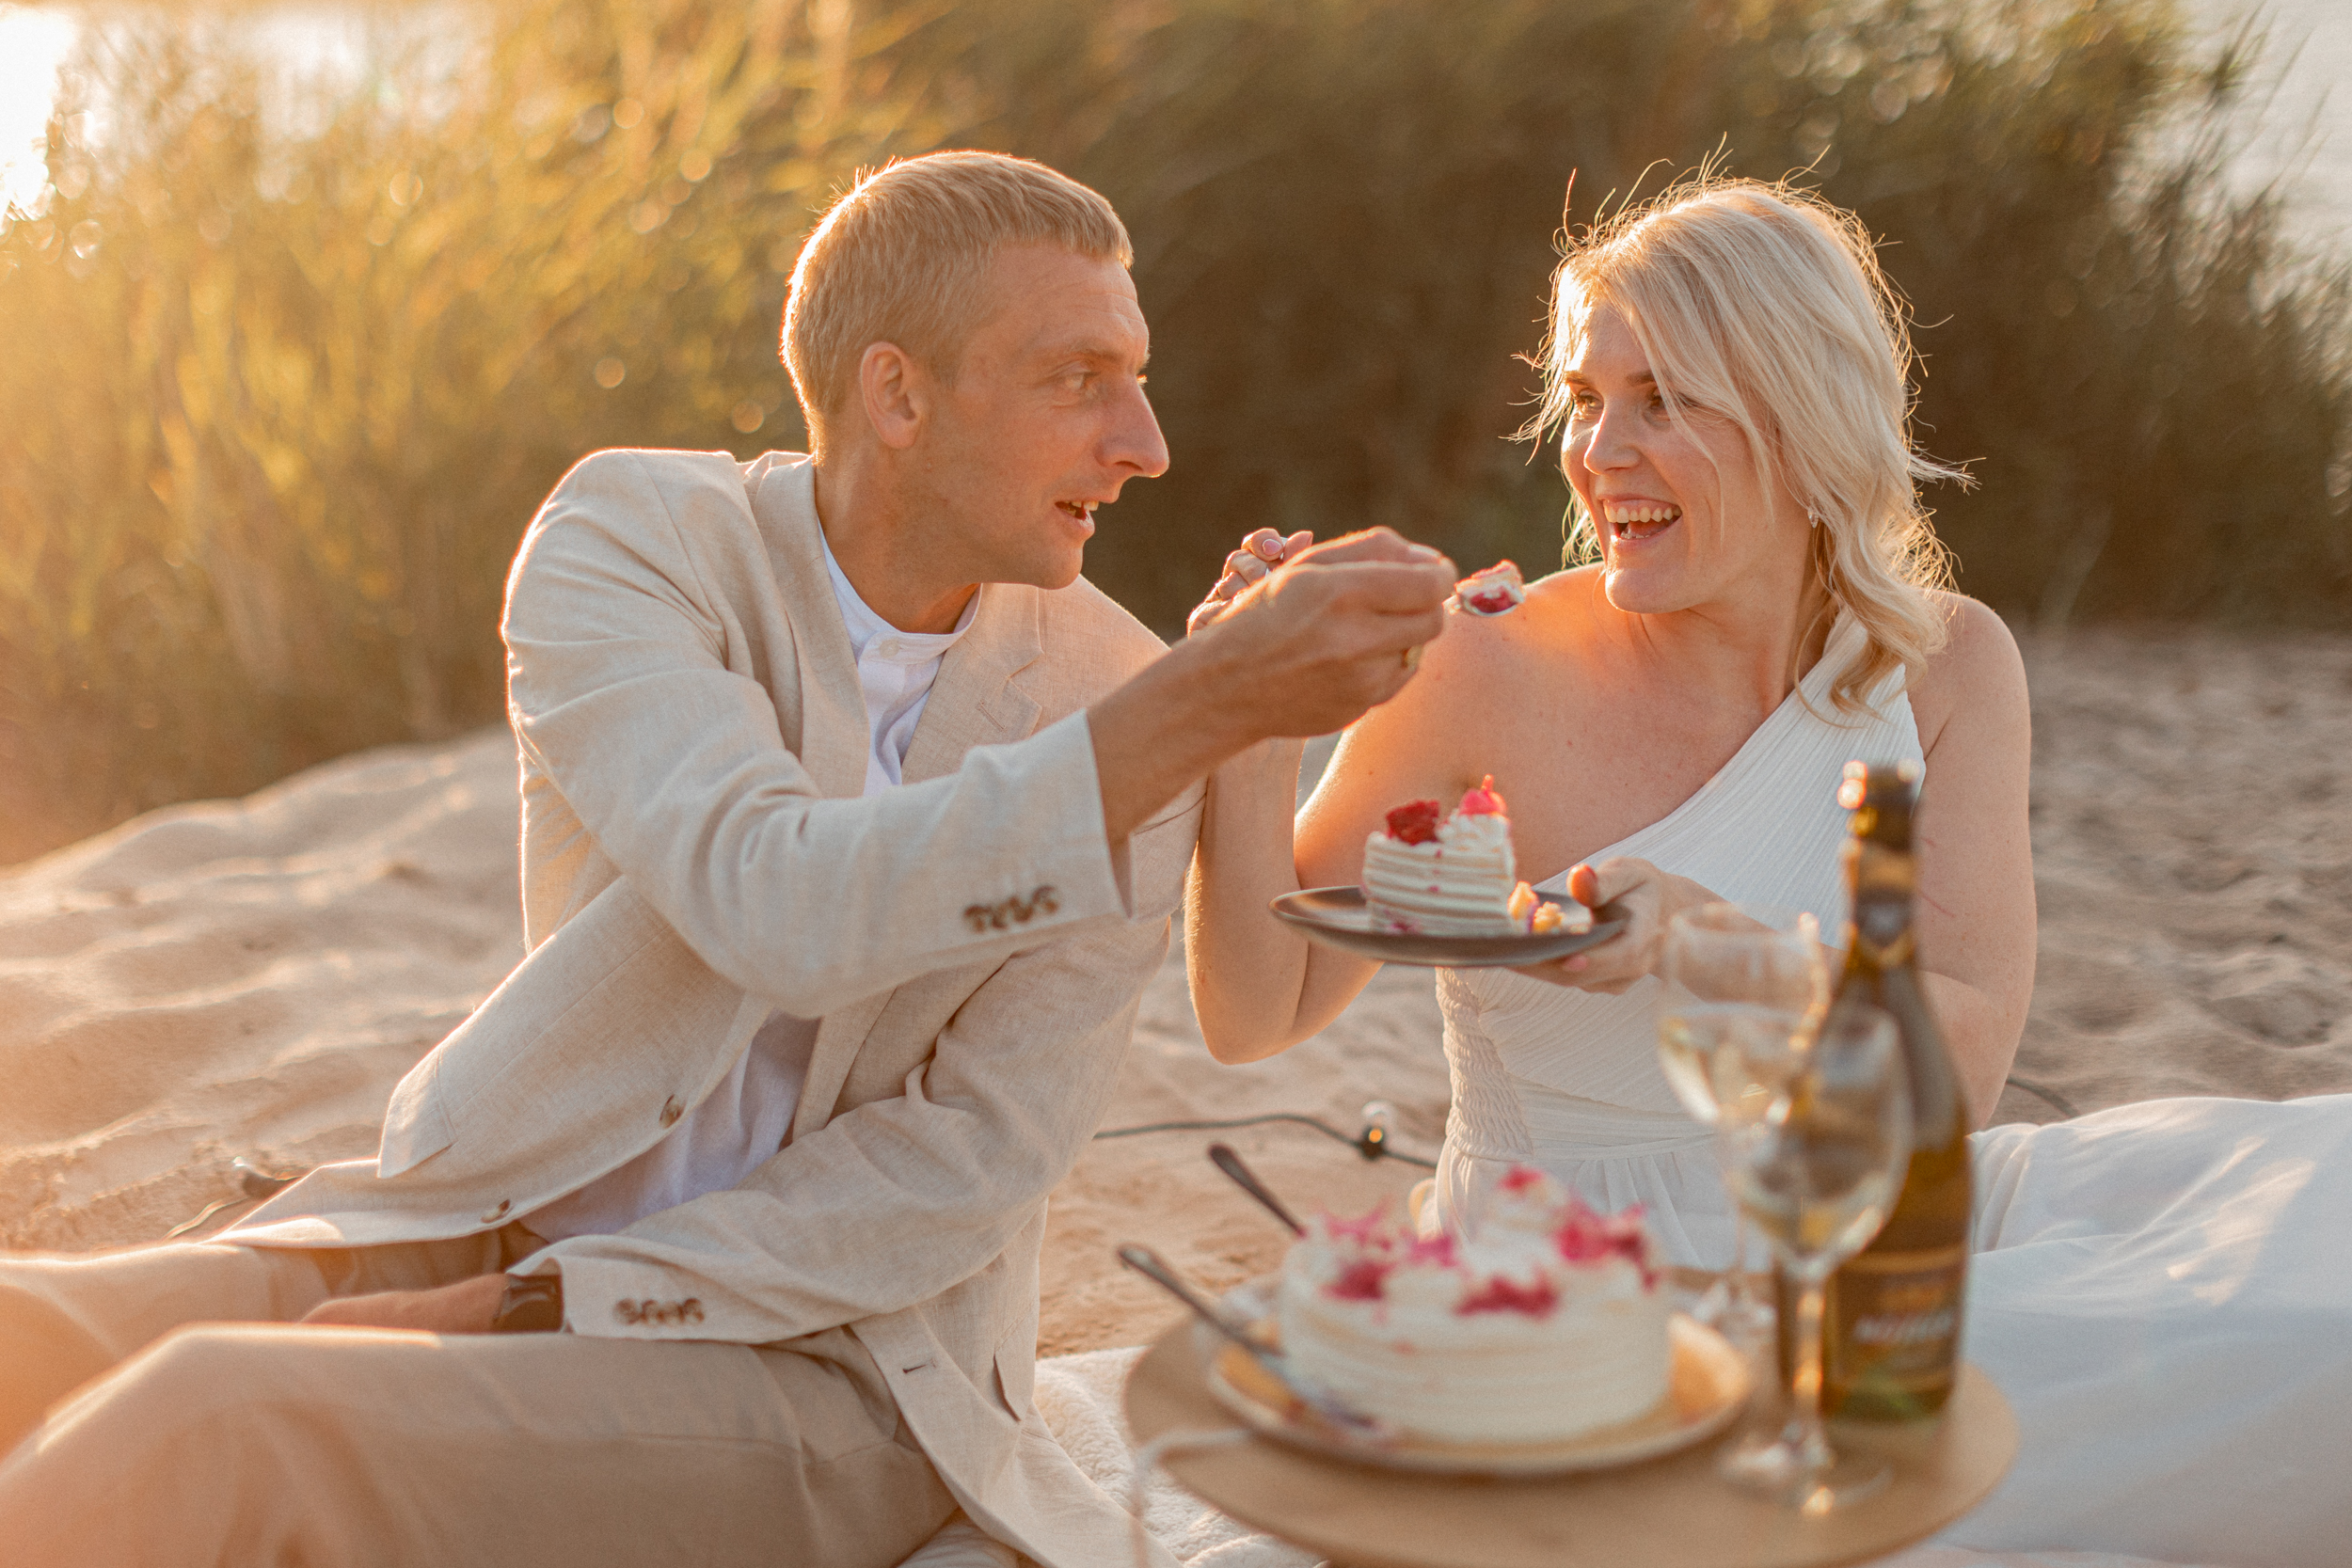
x=497, y=1211
x=671, y=1110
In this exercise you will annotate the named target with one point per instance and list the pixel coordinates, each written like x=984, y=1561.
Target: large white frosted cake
x=1548, y=1324
x=1457, y=877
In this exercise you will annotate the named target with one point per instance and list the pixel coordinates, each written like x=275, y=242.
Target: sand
x=250, y=977
x=2192, y=825
x=244, y=978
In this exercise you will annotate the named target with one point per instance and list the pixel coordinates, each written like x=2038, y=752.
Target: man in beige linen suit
x=852, y=823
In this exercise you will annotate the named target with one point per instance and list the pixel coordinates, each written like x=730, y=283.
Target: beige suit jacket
x=695, y=854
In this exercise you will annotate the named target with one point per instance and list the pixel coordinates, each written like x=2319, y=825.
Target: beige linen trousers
x=246, y=1443
x=695, y=854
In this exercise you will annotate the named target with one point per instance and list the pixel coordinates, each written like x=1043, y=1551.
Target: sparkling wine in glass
x=1816, y=1174
x=1740, y=984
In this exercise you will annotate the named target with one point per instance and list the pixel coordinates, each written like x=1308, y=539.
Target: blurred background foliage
x=283, y=372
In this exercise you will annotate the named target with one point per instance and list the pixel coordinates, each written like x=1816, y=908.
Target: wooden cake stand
x=1669, y=1512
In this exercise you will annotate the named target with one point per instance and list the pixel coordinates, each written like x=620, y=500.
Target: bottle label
x=1893, y=1337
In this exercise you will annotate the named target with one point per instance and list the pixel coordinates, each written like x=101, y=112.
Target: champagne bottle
x=1891, y=1328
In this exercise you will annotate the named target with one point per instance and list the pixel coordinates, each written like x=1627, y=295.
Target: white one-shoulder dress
x=2163, y=1290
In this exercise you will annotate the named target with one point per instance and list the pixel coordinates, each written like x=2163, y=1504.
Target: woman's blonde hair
x=1766, y=304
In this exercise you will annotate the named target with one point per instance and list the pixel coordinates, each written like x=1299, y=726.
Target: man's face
x=1047, y=419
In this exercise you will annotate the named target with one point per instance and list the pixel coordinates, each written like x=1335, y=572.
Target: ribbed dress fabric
x=1570, y=1079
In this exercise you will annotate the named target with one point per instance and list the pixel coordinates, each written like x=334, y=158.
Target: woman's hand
x=1646, y=898
x=1258, y=986
x=1259, y=554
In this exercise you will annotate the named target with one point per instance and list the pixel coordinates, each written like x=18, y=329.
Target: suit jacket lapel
x=835, y=736
x=973, y=702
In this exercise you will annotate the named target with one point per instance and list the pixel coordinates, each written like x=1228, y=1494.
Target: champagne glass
x=1739, y=986
x=1818, y=1175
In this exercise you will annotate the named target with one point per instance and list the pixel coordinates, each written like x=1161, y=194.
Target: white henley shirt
x=743, y=1121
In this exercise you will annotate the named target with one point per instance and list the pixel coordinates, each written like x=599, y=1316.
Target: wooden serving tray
x=1669, y=1513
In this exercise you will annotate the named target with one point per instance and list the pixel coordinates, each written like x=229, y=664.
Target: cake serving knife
x=1348, y=1420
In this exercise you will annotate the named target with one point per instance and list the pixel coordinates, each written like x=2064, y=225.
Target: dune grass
x=280, y=390
x=276, y=409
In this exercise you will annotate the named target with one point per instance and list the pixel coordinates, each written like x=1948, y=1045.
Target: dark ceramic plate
x=1337, y=917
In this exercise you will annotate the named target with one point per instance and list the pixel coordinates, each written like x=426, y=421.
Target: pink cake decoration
x=1371, y=1249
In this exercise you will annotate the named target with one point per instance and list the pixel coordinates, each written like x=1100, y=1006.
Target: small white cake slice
x=1424, y=877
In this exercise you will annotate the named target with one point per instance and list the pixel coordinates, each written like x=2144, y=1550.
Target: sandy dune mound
x=244, y=978
x=250, y=977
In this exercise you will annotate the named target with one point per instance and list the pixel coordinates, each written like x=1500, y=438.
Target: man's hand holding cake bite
x=1329, y=630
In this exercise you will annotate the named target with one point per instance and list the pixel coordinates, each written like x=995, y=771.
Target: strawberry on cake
x=1456, y=876
x=1549, y=1324
x=1496, y=590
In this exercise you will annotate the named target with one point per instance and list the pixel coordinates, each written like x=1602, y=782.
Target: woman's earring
x=1812, y=519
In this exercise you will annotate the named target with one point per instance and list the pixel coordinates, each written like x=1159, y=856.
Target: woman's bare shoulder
x=1569, y=588
x=1492, y=649
x=1979, y=673
x=1478, y=680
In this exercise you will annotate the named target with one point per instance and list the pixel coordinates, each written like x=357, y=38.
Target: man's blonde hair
x=899, y=260
x=1765, y=304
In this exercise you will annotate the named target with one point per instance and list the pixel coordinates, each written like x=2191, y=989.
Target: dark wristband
x=532, y=1305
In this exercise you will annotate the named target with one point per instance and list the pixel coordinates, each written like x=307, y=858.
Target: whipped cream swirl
x=1547, y=1324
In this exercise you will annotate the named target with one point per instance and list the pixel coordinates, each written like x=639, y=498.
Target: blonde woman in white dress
x=2162, y=1289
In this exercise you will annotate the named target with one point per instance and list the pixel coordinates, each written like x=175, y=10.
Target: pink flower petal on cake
x=1365, y=1279
x=1520, y=1178
x=1438, y=1250
x=1483, y=801
x=1505, y=1295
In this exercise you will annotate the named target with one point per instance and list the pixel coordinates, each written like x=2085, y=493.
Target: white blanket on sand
x=1080, y=1396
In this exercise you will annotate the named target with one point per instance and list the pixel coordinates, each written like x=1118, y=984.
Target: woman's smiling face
x=1681, y=517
